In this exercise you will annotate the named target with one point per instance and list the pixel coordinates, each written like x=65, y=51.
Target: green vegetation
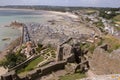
x=112, y=42
x=84, y=46
x=19, y=50
x=31, y=65
x=104, y=14
x=53, y=54
x=39, y=48
x=13, y=59
x=73, y=76
x=2, y=62
x=91, y=48
x=87, y=46
x=50, y=51
x=100, y=42
x=34, y=63
x=117, y=18
x=100, y=25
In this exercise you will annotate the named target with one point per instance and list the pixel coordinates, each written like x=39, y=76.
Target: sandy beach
x=63, y=13
x=53, y=12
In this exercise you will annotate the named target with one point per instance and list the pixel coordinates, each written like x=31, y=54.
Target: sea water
x=8, y=16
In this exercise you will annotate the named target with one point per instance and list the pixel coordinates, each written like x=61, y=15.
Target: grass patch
x=72, y=76
x=31, y=65
x=90, y=11
x=112, y=42
x=90, y=47
x=117, y=18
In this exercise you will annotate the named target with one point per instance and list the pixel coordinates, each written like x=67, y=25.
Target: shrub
x=13, y=59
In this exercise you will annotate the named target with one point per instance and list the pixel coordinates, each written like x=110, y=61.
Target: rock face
x=103, y=62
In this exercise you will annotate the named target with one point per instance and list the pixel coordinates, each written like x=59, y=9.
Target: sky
x=87, y=3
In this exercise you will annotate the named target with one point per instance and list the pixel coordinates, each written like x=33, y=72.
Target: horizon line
x=61, y=6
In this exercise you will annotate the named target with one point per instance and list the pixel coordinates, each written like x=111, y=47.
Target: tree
x=104, y=14
x=13, y=59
